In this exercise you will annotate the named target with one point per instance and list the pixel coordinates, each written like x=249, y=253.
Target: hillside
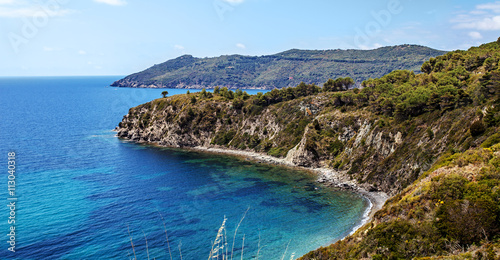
x=280, y=70
x=429, y=140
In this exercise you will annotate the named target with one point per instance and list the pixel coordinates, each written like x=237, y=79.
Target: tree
x=339, y=84
x=238, y=103
x=347, y=82
x=164, y=94
x=426, y=67
x=328, y=86
x=205, y=94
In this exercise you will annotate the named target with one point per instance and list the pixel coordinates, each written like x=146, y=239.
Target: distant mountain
x=280, y=70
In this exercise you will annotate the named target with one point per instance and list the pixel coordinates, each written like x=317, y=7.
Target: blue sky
x=119, y=37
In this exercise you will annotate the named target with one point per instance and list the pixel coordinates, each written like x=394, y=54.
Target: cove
x=80, y=188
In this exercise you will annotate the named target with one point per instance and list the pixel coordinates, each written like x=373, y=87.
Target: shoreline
x=328, y=177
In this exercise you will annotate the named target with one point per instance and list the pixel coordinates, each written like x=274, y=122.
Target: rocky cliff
x=386, y=155
x=429, y=140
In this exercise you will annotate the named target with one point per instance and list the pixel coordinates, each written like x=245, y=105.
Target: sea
x=72, y=190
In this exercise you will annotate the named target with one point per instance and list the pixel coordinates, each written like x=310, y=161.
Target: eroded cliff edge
x=309, y=131
x=429, y=140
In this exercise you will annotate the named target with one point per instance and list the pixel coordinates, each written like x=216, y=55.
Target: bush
x=477, y=128
x=223, y=138
x=316, y=125
x=430, y=133
x=335, y=148
x=491, y=141
x=276, y=152
x=467, y=221
x=238, y=103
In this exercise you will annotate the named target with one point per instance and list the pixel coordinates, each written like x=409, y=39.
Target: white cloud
x=475, y=35
x=234, y=2
x=483, y=18
x=478, y=12
x=368, y=47
x=241, y=46
x=82, y=52
x=112, y=2
x=179, y=47
x=495, y=7
x=482, y=24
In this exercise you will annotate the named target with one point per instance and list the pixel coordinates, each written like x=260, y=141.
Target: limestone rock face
x=302, y=132
x=300, y=156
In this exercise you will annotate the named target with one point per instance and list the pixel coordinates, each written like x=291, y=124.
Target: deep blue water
x=80, y=188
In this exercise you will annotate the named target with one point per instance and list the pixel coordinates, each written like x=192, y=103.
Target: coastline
x=328, y=177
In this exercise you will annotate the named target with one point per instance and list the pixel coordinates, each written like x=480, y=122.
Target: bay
x=80, y=189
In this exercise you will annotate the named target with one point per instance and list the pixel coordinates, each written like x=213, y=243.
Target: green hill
x=284, y=69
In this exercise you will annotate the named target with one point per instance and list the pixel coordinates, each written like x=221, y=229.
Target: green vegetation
x=451, y=211
x=280, y=70
x=430, y=140
x=164, y=93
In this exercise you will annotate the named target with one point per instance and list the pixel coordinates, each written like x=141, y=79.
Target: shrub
x=238, y=103
x=492, y=140
x=276, y=152
x=335, y=148
x=467, y=221
x=430, y=133
x=223, y=138
x=316, y=125
x=477, y=128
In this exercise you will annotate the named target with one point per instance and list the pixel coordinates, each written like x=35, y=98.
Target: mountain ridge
x=284, y=69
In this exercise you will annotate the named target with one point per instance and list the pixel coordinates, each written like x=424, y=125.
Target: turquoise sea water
x=80, y=188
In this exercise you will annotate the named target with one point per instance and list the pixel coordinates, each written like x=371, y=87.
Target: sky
x=120, y=37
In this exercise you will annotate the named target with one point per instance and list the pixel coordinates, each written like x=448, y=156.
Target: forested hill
x=280, y=70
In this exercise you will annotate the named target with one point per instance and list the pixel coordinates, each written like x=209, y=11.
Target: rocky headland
x=429, y=141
